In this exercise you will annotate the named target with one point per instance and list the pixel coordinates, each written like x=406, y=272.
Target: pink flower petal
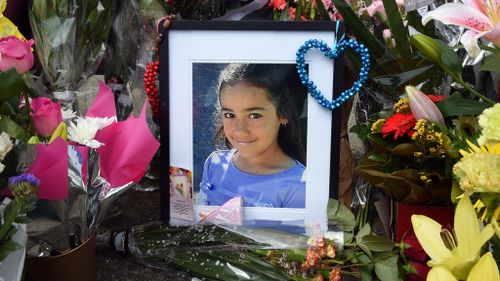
x=494, y=35
x=476, y=4
x=459, y=14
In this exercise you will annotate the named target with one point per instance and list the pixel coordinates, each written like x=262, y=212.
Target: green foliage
x=387, y=270
x=13, y=120
x=340, y=214
x=457, y=105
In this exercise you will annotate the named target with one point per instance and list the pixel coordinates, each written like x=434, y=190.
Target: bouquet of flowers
x=231, y=252
x=81, y=177
x=16, y=59
x=415, y=145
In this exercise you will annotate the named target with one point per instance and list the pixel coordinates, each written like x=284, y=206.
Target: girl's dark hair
x=282, y=84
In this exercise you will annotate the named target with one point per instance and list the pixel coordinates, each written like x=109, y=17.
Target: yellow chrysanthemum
x=377, y=126
x=489, y=121
x=402, y=106
x=7, y=28
x=478, y=170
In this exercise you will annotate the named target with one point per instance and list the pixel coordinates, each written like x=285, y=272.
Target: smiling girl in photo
x=264, y=160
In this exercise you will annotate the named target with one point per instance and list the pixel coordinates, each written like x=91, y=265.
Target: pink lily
x=481, y=18
x=423, y=107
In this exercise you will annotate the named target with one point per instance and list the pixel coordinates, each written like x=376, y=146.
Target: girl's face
x=250, y=120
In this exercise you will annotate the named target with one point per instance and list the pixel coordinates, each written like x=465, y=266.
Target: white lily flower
x=85, y=129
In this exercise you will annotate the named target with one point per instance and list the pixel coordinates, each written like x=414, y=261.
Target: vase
x=78, y=264
x=403, y=227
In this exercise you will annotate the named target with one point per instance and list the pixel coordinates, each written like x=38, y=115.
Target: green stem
x=9, y=218
x=366, y=208
x=472, y=90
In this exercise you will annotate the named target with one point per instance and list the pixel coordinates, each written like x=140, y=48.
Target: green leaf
x=366, y=268
x=491, y=63
x=378, y=157
x=22, y=219
x=378, y=243
x=7, y=109
x=398, y=29
x=365, y=230
x=457, y=105
x=348, y=236
x=339, y=213
x=361, y=130
x=387, y=270
x=362, y=33
x=402, y=78
x=322, y=10
x=449, y=58
x=11, y=128
x=298, y=12
x=7, y=247
x=493, y=50
x=364, y=248
x=12, y=84
x=404, y=149
x=387, y=143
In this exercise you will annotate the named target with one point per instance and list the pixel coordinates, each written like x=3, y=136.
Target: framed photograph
x=235, y=121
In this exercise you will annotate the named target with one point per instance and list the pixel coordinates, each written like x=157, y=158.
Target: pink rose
x=16, y=53
x=46, y=115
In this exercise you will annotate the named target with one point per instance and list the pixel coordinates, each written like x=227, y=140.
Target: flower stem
x=472, y=90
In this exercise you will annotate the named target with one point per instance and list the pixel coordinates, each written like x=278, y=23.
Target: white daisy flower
x=67, y=113
x=85, y=129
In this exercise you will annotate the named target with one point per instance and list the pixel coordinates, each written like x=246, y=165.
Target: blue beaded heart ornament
x=360, y=49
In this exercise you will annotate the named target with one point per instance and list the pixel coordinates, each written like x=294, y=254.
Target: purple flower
x=30, y=178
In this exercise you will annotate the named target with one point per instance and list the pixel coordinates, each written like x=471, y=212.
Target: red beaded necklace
x=153, y=68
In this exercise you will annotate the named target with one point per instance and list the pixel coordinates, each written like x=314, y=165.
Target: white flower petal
x=469, y=40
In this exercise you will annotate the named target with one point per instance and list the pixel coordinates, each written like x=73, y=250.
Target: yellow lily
x=457, y=253
x=7, y=28
x=485, y=269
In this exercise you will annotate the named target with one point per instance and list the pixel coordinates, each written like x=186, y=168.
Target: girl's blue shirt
x=222, y=180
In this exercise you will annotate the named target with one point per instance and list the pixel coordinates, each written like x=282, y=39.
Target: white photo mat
x=254, y=46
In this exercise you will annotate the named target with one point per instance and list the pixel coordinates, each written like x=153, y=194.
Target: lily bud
x=422, y=106
x=427, y=47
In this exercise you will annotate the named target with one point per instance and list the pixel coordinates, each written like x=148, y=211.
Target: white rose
x=2, y=166
x=5, y=145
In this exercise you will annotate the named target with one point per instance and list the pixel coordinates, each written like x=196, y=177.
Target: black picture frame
x=195, y=29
